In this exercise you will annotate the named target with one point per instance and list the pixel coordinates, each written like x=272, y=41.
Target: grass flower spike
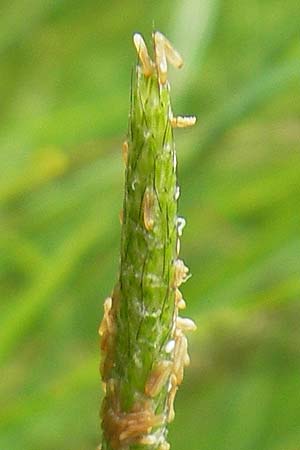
x=143, y=342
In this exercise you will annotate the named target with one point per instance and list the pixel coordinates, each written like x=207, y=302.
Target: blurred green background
x=64, y=94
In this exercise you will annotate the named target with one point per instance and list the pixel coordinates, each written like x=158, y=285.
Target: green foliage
x=64, y=79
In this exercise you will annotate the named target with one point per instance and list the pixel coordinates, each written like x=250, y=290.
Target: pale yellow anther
x=164, y=446
x=187, y=360
x=179, y=301
x=171, y=398
x=106, y=323
x=178, y=296
x=180, y=354
x=107, y=305
x=170, y=346
x=160, y=57
x=180, y=223
x=148, y=207
x=186, y=324
x=172, y=55
x=181, y=273
x=181, y=304
x=147, y=64
x=158, y=378
x=164, y=52
x=183, y=122
x=121, y=216
x=178, y=246
x=125, y=152
x=151, y=439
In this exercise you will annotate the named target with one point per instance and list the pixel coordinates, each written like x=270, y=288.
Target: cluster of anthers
x=171, y=370
x=164, y=53
x=135, y=426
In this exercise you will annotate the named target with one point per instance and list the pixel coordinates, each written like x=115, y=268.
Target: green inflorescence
x=143, y=343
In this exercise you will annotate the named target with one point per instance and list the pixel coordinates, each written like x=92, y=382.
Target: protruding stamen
x=178, y=246
x=187, y=360
x=171, y=397
x=164, y=446
x=134, y=424
x=181, y=273
x=148, y=209
x=183, y=122
x=147, y=64
x=177, y=193
x=186, y=324
x=170, y=346
x=180, y=353
x=125, y=152
x=181, y=304
x=172, y=55
x=106, y=323
x=158, y=378
x=179, y=301
x=180, y=225
x=160, y=57
x=151, y=439
x=121, y=216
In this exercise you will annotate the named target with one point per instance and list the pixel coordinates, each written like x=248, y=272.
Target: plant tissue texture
x=143, y=342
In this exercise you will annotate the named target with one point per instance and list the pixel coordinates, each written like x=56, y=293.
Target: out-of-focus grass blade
x=49, y=164
x=191, y=29
x=228, y=292
x=17, y=19
x=254, y=95
x=78, y=189
x=63, y=385
x=21, y=251
x=21, y=315
x=61, y=396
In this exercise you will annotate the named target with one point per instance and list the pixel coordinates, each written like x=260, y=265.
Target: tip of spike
x=164, y=53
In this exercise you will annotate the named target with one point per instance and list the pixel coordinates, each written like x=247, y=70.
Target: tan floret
x=141, y=48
